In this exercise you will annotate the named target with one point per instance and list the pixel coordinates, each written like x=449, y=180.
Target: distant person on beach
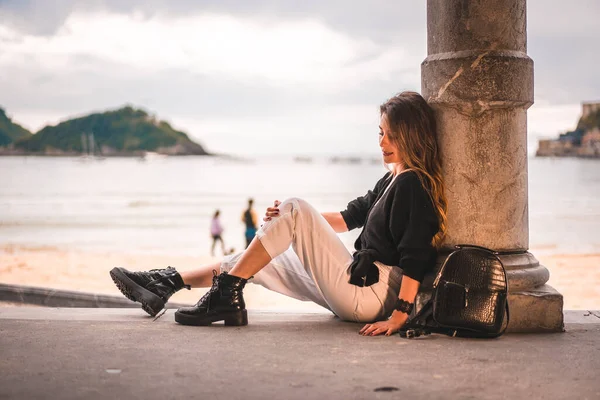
x=216, y=230
x=250, y=220
x=297, y=252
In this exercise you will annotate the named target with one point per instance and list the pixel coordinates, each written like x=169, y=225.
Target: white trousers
x=310, y=262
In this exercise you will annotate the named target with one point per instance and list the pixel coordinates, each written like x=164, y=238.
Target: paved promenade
x=73, y=353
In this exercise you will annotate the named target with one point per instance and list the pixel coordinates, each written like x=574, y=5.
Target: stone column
x=479, y=79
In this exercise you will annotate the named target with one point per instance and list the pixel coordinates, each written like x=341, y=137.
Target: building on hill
x=555, y=148
x=581, y=142
x=589, y=108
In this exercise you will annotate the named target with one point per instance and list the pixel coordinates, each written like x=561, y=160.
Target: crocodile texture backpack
x=469, y=297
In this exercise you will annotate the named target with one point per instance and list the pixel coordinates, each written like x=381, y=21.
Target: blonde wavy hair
x=414, y=132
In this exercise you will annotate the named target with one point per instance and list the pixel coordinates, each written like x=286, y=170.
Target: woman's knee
x=296, y=204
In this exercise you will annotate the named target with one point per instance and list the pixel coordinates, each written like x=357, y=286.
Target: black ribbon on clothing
x=362, y=270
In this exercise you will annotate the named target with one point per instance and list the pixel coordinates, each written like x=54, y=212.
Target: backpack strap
x=461, y=246
x=423, y=324
x=420, y=324
x=412, y=333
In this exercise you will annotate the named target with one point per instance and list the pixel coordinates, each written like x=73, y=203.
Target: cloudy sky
x=263, y=76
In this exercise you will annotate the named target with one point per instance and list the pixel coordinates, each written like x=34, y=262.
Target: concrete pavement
x=71, y=353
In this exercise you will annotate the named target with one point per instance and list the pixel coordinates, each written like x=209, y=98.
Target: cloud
x=562, y=39
x=250, y=70
x=385, y=19
x=301, y=52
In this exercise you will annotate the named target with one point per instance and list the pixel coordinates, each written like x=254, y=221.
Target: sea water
x=163, y=205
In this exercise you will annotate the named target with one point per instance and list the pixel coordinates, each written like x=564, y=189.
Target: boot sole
x=151, y=303
x=236, y=318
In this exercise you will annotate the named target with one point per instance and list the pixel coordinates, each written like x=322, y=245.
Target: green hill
x=120, y=132
x=9, y=131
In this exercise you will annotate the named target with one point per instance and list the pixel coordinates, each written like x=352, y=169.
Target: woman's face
x=390, y=152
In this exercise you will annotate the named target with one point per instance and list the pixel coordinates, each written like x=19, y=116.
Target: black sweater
x=399, y=228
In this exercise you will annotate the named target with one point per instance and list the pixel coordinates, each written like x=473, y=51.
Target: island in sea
x=123, y=132
x=584, y=141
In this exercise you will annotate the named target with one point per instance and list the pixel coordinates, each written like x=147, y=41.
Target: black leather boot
x=223, y=302
x=152, y=288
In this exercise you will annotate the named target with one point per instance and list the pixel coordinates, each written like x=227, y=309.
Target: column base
x=536, y=310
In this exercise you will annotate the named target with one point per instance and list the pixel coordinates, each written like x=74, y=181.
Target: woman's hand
x=272, y=211
x=387, y=327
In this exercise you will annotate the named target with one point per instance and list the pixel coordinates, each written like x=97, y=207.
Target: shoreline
x=576, y=276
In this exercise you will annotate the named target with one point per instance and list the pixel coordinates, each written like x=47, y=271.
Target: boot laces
x=169, y=273
x=214, y=288
x=168, y=269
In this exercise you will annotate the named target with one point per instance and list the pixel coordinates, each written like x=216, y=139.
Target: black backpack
x=469, y=297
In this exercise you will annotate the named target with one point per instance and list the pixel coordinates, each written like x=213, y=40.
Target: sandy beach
x=88, y=272
x=576, y=276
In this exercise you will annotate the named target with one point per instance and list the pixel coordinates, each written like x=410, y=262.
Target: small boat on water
x=153, y=156
x=346, y=160
x=303, y=159
x=88, y=148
